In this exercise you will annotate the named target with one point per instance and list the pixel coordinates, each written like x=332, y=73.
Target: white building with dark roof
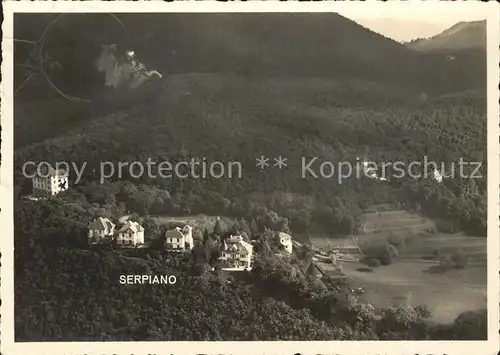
x=50, y=182
x=179, y=239
x=130, y=234
x=236, y=254
x=285, y=240
x=101, y=230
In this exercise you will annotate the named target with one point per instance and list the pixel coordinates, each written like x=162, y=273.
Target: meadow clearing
x=415, y=277
x=409, y=282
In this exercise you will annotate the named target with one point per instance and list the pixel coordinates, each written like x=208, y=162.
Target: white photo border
x=374, y=8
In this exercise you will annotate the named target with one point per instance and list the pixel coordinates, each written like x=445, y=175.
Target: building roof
x=134, y=226
x=178, y=230
x=283, y=235
x=237, y=244
x=101, y=223
x=174, y=232
x=48, y=170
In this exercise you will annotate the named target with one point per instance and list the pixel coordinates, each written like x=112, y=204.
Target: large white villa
x=50, y=182
x=101, y=230
x=130, y=234
x=236, y=254
x=179, y=239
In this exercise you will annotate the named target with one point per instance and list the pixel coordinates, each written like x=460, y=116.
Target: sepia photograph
x=300, y=173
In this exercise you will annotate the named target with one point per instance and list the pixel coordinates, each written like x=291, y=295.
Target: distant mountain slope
x=291, y=45
x=463, y=35
x=287, y=46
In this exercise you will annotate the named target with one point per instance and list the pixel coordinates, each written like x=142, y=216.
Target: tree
x=423, y=311
x=472, y=325
x=388, y=253
x=347, y=224
x=217, y=228
x=445, y=262
x=459, y=259
x=371, y=262
x=282, y=225
x=401, y=322
x=397, y=241
x=237, y=228
x=310, y=269
x=209, y=249
x=254, y=228
x=206, y=235
x=266, y=248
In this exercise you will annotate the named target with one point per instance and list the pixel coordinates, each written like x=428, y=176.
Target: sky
x=407, y=21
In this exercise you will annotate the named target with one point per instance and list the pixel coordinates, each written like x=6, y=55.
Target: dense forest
x=66, y=291
x=244, y=118
x=226, y=96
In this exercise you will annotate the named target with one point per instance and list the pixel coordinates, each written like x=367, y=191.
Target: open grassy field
x=377, y=228
x=411, y=282
x=395, y=221
x=414, y=278
x=423, y=246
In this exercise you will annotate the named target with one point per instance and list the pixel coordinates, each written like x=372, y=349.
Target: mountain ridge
x=461, y=36
x=281, y=45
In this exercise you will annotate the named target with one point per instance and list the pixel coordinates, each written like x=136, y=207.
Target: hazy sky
x=408, y=21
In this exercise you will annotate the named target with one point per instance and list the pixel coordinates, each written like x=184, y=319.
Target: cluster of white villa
x=131, y=234
x=102, y=230
x=236, y=253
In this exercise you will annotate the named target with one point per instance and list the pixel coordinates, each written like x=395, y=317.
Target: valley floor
x=414, y=278
x=409, y=282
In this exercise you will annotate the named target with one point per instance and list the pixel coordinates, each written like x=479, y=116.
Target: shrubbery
x=371, y=262
x=459, y=259
x=398, y=242
x=388, y=253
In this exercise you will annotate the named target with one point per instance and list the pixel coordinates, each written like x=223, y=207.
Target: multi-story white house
x=285, y=240
x=50, y=182
x=179, y=239
x=130, y=234
x=101, y=230
x=236, y=254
